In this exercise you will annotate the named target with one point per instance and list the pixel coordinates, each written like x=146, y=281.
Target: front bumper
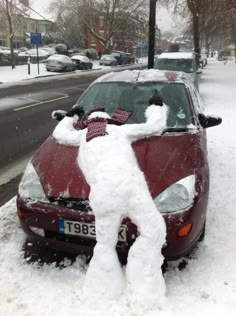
x=45, y=217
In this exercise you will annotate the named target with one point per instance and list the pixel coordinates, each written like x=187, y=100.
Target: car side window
x=198, y=103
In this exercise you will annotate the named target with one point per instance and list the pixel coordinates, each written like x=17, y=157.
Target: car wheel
x=202, y=236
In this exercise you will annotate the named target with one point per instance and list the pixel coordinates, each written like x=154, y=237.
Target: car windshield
x=178, y=64
x=134, y=97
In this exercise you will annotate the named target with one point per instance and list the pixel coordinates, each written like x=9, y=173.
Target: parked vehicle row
x=117, y=58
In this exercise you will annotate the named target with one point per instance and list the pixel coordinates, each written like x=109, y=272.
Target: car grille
x=72, y=203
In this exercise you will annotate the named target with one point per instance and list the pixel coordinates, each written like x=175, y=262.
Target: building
x=132, y=33
x=23, y=25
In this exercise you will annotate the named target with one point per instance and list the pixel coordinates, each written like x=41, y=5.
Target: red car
x=52, y=202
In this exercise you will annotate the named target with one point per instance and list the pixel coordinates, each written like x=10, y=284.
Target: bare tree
x=114, y=13
x=210, y=19
x=10, y=17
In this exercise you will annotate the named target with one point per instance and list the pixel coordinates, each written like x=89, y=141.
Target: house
x=23, y=25
x=131, y=33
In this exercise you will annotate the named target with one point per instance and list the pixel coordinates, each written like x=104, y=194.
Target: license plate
x=86, y=230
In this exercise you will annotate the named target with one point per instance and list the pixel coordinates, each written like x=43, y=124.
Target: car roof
x=177, y=55
x=80, y=57
x=59, y=57
x=145, y=75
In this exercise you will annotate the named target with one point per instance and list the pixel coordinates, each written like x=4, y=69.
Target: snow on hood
x=143, y=76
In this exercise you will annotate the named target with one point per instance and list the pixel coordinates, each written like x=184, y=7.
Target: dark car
x=59, y=62
x=82, y=62
x=108, y=60
x=121, y=57
x=52, y=201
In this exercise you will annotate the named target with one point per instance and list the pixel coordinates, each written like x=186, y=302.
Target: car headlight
x=177, y=197
x=30, y=186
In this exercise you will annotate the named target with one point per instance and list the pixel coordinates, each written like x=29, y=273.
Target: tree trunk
x=9, y=18
x=196, y=36
x=152, y=25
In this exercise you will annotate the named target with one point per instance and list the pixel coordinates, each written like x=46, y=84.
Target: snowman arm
x=64, y=133
x=156, y=117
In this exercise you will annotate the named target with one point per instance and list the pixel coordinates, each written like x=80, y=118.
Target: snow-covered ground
x=207, y=286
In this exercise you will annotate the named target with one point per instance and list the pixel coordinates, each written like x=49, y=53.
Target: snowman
x=118, y=189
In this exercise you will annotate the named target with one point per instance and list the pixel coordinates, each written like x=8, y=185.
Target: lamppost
x=152, y=27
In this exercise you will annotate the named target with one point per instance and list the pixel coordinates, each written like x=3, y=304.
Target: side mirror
x=209, y=121
x=58, y=115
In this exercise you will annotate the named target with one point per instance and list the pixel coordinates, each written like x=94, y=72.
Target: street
x=27, y=122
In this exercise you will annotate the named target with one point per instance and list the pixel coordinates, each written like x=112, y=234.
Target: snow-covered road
x=207, y=286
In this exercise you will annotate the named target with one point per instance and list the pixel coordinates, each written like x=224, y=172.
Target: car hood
x=163, y=160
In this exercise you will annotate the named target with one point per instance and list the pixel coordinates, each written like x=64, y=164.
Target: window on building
x=101, y=20
x=18, y=42
x=101, y=33
x=33, y=26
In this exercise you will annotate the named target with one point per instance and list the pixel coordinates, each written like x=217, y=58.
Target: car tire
x=202, y=236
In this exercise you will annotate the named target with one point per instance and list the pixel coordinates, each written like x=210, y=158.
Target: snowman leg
x=104, y=278
x=143, y=271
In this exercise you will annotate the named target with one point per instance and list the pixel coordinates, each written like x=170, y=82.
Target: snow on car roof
x=144, y=76
x=177, y=55
x=81, y=58
x=64, y=58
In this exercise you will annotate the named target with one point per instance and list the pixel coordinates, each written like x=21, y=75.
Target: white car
x=58, y=62
x=33, y=53
x=179, y=61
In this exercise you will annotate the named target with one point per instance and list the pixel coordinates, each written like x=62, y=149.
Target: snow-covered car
x=59, y=63
x=108, y=60
x=53, y=205
x=42, y=53
x=179, y=61
x=82, y=62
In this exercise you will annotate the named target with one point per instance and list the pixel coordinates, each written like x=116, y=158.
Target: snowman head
x=97, y=111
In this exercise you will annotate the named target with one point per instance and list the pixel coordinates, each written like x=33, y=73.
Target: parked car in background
x=121, y=57
x=60, y=63
x=5, y=55
x=49, y=50
x=42, y=53
x=180, y=61
x=108, y=60
x=82, y=62
x=52, y=201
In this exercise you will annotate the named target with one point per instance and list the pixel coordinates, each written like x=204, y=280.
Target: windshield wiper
x=176, y=130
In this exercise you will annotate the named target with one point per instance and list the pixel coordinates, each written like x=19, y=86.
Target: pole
x=28, y=65
x=38, y=57
x=152, y=25
x=37, y=47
